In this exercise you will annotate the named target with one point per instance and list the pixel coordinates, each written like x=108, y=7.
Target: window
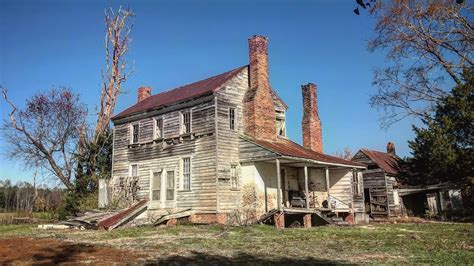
x=281, y=127
x=234, y=180
x=186, y=122
x=186, y=173
x=170, y=185
x=232, y=118
x=356, y=185
x=135, y=133
x=158, y=128
x=134, y=170
x=156, y=186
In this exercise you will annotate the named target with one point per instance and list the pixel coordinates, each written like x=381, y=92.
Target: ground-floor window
x=156, y=186
x=170, y=185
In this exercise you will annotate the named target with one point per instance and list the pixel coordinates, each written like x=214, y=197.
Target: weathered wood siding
x=231, y=95
x=340, y=181
x=166, y=154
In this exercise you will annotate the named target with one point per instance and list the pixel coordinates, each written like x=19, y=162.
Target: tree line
x=26, y=197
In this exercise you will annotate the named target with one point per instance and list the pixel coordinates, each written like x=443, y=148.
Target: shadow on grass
x=68, y=253
x=199, y=258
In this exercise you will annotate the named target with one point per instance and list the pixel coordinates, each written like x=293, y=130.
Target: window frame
x=182, y=121
x=282, y=128
x=155, y=127
x=132, y=133
x=167, y=188
x=356, y=183
x=182, y=174
x=160, y=173
x=232, y=118
x=130, y=174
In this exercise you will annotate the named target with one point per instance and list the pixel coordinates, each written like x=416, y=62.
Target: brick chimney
x=143, y=93
x=259, y=113
x=311, y=125
x=391, y=148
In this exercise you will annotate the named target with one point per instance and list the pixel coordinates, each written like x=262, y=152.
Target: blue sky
x=55, y=43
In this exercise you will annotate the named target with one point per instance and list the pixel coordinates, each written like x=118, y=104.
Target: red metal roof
x=287, y=147
x=195, y=89
x=119, y=217
x=387, y=162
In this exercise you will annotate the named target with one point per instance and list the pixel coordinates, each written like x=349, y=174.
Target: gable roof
x=387, y=162
x=287, y=147
x=195, y=89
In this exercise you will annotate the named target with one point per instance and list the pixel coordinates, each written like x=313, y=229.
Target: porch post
x=327, y=182
x=278, y=184
x=306, y=190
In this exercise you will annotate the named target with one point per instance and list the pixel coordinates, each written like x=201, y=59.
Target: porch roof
x=295, y=152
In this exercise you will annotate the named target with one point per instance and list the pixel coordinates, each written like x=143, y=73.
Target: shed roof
x=386, y=161
x=287, y=147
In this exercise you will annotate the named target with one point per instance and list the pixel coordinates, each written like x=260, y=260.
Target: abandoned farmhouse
x=216, y=150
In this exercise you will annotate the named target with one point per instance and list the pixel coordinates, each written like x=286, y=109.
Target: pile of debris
x=98, y=219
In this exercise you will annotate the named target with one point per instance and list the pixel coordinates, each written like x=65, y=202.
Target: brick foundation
x=279, y=220
x=349, y=218
x=307, y=221
x=172, y=222
x=208, y=218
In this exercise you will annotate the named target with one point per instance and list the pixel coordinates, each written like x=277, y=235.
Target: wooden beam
x=306, y=190
x=328, y=185
x=278, y=184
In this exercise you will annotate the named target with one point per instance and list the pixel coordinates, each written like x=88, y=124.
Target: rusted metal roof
x=287, y=147
x=122, y=216
x=192, y=90
x=387, y=162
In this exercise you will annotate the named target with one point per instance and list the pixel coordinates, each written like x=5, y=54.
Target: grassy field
x=431, y=243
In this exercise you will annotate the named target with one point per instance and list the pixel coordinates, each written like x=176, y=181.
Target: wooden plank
x=277, y=161
x=306, y=189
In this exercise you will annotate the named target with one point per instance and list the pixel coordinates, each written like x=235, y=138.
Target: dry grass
x=379, y=243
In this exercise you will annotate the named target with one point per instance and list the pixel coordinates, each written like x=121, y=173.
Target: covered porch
x=297, y=190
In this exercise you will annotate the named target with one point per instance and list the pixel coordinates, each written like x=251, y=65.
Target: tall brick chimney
x=391, y=148
x=259, y=113
x=143, y=93
x=312, y=131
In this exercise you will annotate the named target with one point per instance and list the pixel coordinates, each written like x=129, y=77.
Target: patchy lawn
x=379, y=243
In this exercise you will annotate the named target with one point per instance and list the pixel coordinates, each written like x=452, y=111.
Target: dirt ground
x=20, y=250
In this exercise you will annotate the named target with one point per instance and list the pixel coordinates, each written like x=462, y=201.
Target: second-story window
x=158, y=128
x=232, y=118
x=185, y=122
x=135, y=133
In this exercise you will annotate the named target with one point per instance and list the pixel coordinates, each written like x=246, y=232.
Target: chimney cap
x=257, y=36
x=143, y=92
x=391, y=148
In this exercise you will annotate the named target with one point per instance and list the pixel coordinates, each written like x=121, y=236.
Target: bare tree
x=427, y=45
x=45, y=133
x=117, y=40
x=345, y=153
